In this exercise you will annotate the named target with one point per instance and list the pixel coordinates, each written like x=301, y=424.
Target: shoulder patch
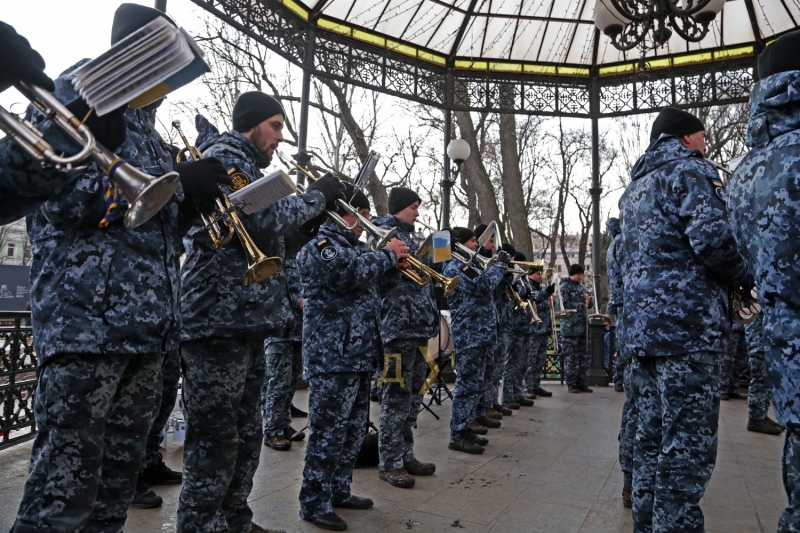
x=469, y=272
x=721, y=194
x=239, y=178
x=327, y=251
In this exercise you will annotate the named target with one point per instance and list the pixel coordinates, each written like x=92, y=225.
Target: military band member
x=763, y=202
x=409, y=318
x=543, y=297
x=490, y=411
x=284, y=365
x=573, y=331
x=474, y=326
x=100, y=329
x=519, y=345
x=342, y=280
x=225, y=323
x=630, y=414
x=678, y=258
x=24, y=183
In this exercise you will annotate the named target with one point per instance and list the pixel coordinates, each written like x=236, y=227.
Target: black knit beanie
x=462, y=235
x=675, y=122
x=253, y=108
x=479, y=229
x=575, y=269
x=780, y=56
x=355, y=197
x=509, y=249
x=130, y=17
x=400, y=198
x=519, y=256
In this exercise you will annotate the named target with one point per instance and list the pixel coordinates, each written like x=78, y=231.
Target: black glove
x=200, y=181
x=109, y=130
x=19, y=61
x=309, y=228
x=747, y=284
x=551, y=289
x=503, y=257
x=331, y=187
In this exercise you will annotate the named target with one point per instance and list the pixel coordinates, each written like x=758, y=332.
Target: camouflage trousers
x=400, y=405
x=789, y=521
x=338, y=409
x=517, y=360
x=620, y=364
x=627, y=429
x=493, y=372
x=759, y=394
x=732, y=363
x=576, y=361
x=538, y=358
x=222, y=381
x=469, y=389
x=169, y=376
x=284, y=362
x=675, y=449
x=93, y=413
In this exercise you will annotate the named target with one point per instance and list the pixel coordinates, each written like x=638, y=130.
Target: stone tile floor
x=549, y=468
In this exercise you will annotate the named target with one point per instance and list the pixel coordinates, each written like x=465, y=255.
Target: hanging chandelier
x=649, y=23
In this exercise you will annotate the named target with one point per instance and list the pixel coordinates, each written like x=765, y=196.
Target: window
x=11, y=249
x=558, y=268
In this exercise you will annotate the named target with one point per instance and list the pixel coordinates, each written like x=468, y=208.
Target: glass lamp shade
x=458, y=150
x=608, y=19
x=709, y=13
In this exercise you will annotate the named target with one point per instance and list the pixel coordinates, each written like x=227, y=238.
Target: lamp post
x=629, y=22
x=458, y=151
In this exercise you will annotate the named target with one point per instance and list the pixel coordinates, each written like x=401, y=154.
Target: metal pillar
x=302, y=156
x=597, y=373
x=447, y=184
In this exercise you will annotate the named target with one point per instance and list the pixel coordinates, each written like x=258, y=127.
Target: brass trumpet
x=259, y=266
x=146, y=195
x=549, y=276
x=531, y=303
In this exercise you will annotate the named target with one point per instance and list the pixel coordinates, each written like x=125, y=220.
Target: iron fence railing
x=18, y=378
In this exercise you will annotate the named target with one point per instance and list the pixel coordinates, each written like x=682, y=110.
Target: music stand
x=438, y=387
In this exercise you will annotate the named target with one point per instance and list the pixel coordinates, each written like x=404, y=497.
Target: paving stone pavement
x=550, y=468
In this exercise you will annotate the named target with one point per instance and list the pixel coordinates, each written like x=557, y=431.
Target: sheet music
x=263, y=192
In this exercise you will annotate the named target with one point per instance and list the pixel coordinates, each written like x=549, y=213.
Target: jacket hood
x=393, y=221
x=207, y=133
x=234, y=139
x=612, y=225
x=663, y=150
x=774, y=108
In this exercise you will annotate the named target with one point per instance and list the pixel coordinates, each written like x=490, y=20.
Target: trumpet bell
x=146, y=196
x=449, y=285
x=263, y=268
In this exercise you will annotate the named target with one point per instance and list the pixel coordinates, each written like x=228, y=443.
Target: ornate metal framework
x=18, y=379
x=330, y=55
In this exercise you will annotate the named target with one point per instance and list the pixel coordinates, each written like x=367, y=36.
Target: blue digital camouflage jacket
x=522, y=323
x=214, y=301
x=111, y=290
x=472, y=304
x=678, y=254
x=613, y=272
x=540, y=296
x=409, y=311
x=764, y=202
x=573, y=295
x=342, y=280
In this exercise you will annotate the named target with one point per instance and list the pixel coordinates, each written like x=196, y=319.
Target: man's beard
x=258, y=140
